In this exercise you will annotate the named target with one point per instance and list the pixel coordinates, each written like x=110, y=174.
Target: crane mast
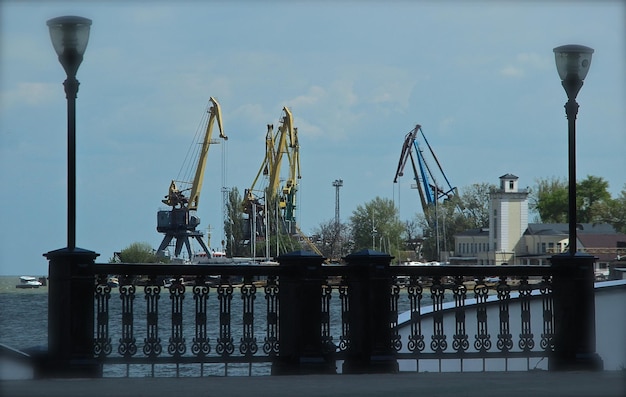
x=284, y=142
x=429, y=192
x=180, y=221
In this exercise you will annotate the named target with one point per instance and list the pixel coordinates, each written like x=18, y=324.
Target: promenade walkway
x=489, y=384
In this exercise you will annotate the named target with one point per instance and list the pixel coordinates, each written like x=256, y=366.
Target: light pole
x=337, y=184
x=573, y=277
x=71, y=269
x=69, y=36
x=572, y=63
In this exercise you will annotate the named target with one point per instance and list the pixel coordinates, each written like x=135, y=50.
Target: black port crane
x=180, y=221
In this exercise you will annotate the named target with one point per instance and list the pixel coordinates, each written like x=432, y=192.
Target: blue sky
x=478, y=76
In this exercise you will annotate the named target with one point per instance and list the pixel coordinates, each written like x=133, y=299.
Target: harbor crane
x=277, y=145
x=179, y=223
x=429, y=190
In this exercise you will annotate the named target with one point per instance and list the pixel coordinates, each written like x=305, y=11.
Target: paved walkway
x=490, y=384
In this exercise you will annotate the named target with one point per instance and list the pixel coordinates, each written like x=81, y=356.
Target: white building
x=511, y=239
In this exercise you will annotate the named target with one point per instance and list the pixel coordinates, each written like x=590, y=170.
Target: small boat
x=28, y=282
x=113, y=282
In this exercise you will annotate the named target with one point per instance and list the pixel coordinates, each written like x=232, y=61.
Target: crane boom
x=429, y=192
x=283, y=142
x=178, y=223
x=284, y=130
x=215, y=114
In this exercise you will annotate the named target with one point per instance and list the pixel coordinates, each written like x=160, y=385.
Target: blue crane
x=428, y=188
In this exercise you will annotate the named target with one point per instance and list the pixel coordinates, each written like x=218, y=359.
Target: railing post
x=70, y=316
x=574, y=314
x=369, y=294
x=301, y=347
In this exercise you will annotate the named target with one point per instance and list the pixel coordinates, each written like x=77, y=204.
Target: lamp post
x=572, y=63
x=70, y=269
x=573, y=277
x=69, y=36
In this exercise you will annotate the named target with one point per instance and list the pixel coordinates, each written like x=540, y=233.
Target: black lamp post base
x=574, y=308
x=70, y=316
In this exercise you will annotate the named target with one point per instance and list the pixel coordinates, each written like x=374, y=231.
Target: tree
x=469, y=209
x=234, y=225
x=439, y=225
x=591, y=192
x=332, y=239
x=376, y=225
x=138, y=253
x=474, y=202
x=551, y=197
x=612, y=211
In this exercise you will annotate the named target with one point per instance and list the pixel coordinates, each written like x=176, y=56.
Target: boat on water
x=29, y=282
x=417, y=263
x=216, y=258
x=113, y=281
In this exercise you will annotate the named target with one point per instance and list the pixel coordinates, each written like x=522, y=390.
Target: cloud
x=512, y=71
x=525, y=62
x=314, y=96
x=30, y=94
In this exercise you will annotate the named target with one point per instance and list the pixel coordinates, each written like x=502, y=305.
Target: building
x=511, y=239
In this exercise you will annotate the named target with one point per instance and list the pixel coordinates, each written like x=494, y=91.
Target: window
x=511, y=184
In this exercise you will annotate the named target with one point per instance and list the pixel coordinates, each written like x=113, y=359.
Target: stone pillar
x=70, y=315
x=369, y=295
x=301, y=348
x=574, y=313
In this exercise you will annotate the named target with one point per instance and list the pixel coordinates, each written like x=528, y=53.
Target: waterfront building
x=511, y=239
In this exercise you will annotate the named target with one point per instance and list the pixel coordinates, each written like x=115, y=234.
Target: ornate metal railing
x=302, y=316
x=176, y=318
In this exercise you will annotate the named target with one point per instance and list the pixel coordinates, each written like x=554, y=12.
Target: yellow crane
x=180, y=221
x=283, y=142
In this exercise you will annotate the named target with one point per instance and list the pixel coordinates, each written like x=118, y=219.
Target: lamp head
x=70, y=35
x=573, y=61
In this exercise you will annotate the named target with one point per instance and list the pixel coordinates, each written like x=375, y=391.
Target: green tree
x=439, y=225
x=468, y=209
x=138, y=253
x=612, y=211
x=332, y=239
x=591, y=192
x=234, y=225
x=375, y=225
x=474, y=202
x=550, y=199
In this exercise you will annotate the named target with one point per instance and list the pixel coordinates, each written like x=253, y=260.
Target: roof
x=553, y=229
x=509, y=176
x=603, y=240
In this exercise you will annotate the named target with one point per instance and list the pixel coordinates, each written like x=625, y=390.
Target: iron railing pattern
x=189, y=327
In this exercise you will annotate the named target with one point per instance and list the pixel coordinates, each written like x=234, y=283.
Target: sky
x=478, y=76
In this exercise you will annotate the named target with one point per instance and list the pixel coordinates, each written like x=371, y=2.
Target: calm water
x=23, y=314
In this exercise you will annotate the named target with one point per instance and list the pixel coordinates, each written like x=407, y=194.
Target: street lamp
x=573, y=291
x=70, y=35
x=572, y=63
x=71, y=269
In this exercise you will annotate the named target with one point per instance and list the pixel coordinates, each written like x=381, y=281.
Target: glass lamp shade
x=573, y=61
x=69, y=34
